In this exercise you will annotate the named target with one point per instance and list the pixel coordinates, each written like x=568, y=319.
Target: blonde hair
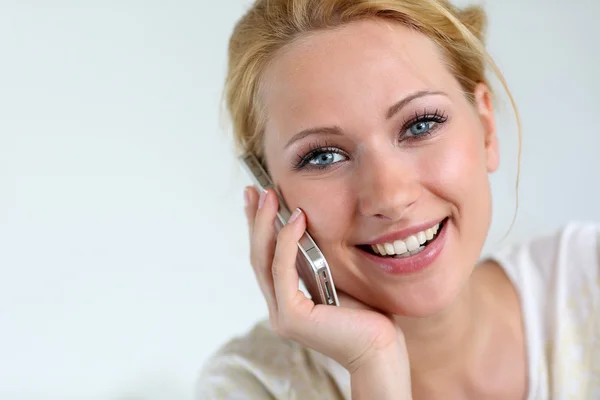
x=270, y=25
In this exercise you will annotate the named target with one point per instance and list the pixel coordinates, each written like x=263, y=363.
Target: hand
x=355, y=335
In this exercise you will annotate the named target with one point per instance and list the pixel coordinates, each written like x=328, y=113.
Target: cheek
x=327, y=205
x=456, y=169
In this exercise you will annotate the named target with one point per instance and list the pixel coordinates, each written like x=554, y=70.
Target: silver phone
x=310, y=261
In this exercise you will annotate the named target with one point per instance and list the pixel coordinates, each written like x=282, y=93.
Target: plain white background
x=123, y=252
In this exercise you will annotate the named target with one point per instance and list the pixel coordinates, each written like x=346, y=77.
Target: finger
x=351, y=302
x=285, y=275
x=251, y=197
x=262, y=246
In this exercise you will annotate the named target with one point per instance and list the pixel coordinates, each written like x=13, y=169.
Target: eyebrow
x=336, y=130
x=404, y=102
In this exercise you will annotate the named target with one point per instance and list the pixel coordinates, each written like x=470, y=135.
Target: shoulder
x=557, y=276
x=568, y=256
x=262, y=365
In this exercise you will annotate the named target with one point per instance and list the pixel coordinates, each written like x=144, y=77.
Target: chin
x=419, y=299
x=428, y=296
x=433, y=303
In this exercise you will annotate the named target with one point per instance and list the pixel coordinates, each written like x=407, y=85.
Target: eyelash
x=314, y=150
x=438, y=117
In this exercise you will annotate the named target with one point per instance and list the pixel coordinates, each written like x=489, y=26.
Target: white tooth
x=421, y=237
x=381, y=250
x=389, y=249
x=412, y=243
x=417, y=251
x=400, y=247
x=374, y=248
x=436, y=228
x=429, y=234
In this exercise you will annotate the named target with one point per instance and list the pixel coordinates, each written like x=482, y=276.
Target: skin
x=448, y=331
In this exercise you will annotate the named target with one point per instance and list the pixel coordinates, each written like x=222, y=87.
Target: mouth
x=408, y=247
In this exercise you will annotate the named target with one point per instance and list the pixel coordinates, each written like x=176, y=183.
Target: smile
x=408, y=255
x=412, y=245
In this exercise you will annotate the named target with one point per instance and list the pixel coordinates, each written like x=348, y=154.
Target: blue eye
x=320, y=157
x=325, y=158
x=421, y=128
x=422, y=125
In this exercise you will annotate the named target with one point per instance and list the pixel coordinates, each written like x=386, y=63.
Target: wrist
x=383, y=374
x=390, y=354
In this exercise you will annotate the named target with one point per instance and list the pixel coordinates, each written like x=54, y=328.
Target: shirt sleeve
x=226, y=378
x=262, y=365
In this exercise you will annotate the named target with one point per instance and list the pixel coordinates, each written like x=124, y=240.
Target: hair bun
x=475, y=20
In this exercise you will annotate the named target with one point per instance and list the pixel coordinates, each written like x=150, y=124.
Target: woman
x=375, y=120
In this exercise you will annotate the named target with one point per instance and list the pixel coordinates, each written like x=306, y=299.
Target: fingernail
x=261, y=200
x=246, y=198
x=295, y=215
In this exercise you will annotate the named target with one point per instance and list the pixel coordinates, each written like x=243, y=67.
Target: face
x=371, y=135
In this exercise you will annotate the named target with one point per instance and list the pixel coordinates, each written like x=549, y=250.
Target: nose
x=387, y=187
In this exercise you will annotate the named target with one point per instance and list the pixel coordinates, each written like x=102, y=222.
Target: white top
x=558, y=280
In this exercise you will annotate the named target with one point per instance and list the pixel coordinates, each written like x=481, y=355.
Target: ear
x=485, y=110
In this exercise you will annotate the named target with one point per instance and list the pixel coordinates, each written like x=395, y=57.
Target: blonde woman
x=375, y=121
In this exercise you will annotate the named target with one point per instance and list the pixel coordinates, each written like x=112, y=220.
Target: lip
x=404, y=233
x=411, y=264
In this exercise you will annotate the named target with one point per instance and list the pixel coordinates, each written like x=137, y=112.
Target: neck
x=475, y=348
x=453, y=339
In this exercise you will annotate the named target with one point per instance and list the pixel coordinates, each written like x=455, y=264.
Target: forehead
x=362, y=67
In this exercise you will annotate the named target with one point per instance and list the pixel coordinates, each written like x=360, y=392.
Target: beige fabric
x=261, y=365
x=558, y=279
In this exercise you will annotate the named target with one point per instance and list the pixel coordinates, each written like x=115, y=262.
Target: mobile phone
x=312, y=267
